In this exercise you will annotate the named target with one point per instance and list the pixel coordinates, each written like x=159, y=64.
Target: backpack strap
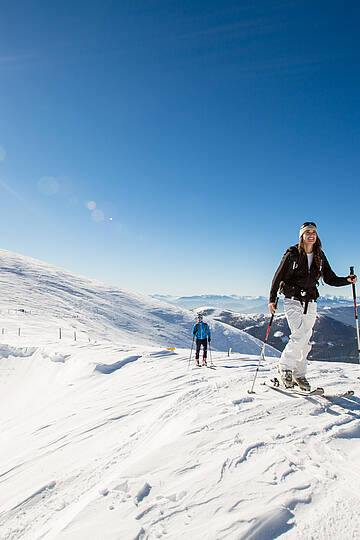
x=197, y=326
x=294, y=259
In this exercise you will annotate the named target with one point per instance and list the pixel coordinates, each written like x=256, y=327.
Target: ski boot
x=204, y=362
x=301, y=382
x=197, y=362
x=286, y=378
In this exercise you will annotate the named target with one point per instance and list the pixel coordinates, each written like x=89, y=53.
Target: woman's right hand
x=272, y=308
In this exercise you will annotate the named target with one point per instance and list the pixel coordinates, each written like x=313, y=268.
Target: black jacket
x=295, y=279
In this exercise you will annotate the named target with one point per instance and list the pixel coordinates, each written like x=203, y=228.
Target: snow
x=119, y=438
x=53, y=298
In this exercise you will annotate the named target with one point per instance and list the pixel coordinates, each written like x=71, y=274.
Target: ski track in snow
x=119, y=438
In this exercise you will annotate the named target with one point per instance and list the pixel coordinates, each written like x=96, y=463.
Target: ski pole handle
x=273, y=315
x=271, y=319
x=352, y=273
x=354, y=293
x=356, y=313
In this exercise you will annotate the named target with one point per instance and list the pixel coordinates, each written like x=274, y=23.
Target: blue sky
x=204, y=132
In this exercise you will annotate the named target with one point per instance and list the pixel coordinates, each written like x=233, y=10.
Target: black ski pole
x=356, y=313
x=262, y=355
x=191, y=351
x=210, y=354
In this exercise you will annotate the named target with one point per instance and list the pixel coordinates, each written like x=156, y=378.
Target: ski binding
x=316, y=392
x=280, y=388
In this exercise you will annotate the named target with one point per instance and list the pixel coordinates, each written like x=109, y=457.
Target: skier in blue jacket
x=202, y=333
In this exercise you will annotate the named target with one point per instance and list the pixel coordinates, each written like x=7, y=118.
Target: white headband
x=304, y=228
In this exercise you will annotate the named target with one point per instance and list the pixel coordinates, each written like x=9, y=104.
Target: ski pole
x=191, y=351
x=356, y=313
x=210, y=354
x=262, y=354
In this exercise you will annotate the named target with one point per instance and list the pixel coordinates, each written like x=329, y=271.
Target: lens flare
x=97, y=216
x=48, y=185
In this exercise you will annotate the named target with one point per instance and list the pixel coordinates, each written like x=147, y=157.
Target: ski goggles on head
x=307, y=226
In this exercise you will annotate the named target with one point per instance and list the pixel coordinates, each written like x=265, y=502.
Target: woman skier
x=297, y=277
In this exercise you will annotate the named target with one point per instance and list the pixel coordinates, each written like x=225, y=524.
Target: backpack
x=294, y=258
x=197, y=326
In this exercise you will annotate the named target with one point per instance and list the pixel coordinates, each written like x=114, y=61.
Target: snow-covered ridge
x=51, y=296
x=246, y=304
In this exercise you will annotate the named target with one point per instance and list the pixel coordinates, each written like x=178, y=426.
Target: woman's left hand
x=352, y=279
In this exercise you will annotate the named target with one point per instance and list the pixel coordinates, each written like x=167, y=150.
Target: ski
x=316, y=392
x=347, y=393
x=294, y=391
x=209, y=366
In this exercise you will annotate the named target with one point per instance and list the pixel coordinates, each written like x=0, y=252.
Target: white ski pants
x=294, y=356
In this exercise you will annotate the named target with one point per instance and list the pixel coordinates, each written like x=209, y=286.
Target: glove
x=209, y=339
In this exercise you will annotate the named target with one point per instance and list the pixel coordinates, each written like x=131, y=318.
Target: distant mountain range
x=241, y=304
x=332, y=339
x=337, y=307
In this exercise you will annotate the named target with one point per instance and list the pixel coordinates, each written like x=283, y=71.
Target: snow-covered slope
x=53, y=298
x=346, y=314
x=104, y=443
x=123, y=440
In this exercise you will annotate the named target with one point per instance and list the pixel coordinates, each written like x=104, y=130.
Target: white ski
x=295, y=391
x=347, y=393
x=316, y=392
